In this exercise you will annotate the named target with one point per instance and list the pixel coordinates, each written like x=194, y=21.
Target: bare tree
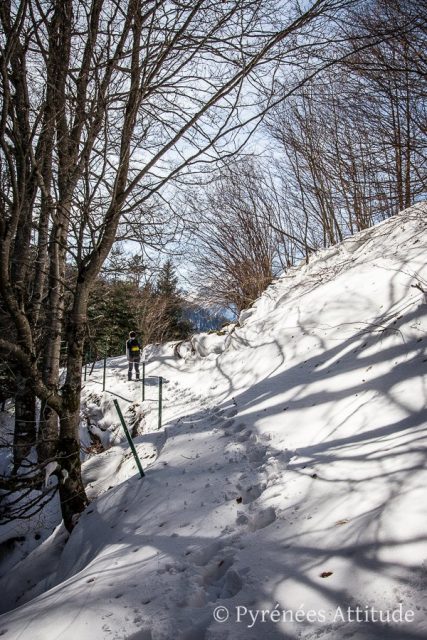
x=354, y=138
x=235, y=244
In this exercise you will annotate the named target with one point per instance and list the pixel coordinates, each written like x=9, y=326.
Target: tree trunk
x=71, y=489
x=25, y=421
x=47, y=437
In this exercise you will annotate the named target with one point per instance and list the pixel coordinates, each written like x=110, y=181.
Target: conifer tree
x=175, y=327
x=112, y=313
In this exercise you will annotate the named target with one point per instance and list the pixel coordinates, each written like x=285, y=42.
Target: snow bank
x=205, y=344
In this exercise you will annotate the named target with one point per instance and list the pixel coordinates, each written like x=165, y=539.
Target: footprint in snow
x=232, y=584
x=243, y=435
x=215, y=570
x=256, y=454
x=251, y=492
x=241, y=518
x=203, y=554
x=221, y=580
x=143, y=634
x=235, y=452
x=262, y=518
x=239, y=427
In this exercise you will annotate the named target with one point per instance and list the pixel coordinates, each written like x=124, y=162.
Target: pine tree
x=167, y=281
x=112, y=313
x=168, y=293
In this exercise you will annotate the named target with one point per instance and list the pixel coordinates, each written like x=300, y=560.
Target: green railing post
x=104, y=372
x=129, y=439
x=89, y=360
x=85, y=373
x=160, y=400
x=143, y=382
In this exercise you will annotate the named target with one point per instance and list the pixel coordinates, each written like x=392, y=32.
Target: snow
x=206, y=343
x=292, y=448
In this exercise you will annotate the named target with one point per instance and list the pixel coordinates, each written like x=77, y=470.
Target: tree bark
x=71, y=489
x=48, y=433
x=24, y=437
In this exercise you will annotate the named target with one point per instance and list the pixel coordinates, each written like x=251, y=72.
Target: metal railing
x=117, y=406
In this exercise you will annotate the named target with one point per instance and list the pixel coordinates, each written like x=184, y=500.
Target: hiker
x=133, y=351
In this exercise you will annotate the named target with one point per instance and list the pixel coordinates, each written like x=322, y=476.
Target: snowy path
x=183, y=526
x=289, y=474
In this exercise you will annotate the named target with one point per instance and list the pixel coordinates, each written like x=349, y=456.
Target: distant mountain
x=205, y=318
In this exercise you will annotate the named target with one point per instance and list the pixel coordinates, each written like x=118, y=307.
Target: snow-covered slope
x=286, y=485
